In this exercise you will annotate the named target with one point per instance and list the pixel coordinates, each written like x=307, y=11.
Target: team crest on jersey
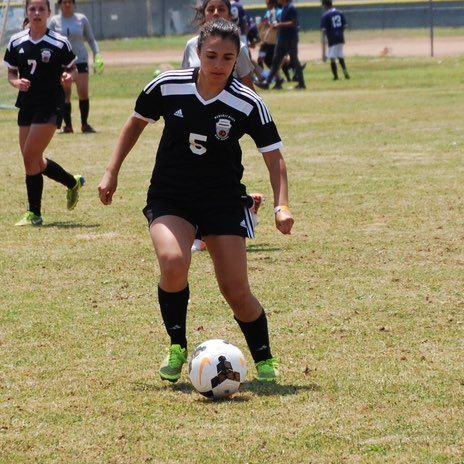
x=46, y=55
x=223, y=126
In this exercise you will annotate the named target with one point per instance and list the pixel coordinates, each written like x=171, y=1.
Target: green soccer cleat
x=171, y=367
x=72, y=195
x=268, y=370
x=30, y=219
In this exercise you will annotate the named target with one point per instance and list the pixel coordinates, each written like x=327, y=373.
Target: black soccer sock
x=55, y=172
x=257, y=337
x=342, y=64
x=67, y=115
x=174, y=313
x=84, y=107
x=34, y=186
x=285, y=69
x=333, y=66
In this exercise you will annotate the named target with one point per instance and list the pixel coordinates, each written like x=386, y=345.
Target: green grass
x=365, y=299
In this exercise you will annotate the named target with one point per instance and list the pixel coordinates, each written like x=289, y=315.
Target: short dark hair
x=222, y=28
x=327, y=3
x=199, y=18
x=61, y=1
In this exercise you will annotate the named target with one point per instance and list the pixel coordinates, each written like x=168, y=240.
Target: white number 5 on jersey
x=195, y=144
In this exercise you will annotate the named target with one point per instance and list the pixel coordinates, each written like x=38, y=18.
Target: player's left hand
x=284, y=222
x=98, y=65
x=66, y=78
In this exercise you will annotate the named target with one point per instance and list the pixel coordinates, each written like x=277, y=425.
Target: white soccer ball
x=217, y=368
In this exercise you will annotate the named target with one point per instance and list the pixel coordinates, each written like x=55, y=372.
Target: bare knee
x=174, y=272
x=236, y=295
x=33, y=164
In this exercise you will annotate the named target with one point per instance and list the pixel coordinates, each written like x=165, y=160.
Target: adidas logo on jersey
x=21, y=51
x=179, y=114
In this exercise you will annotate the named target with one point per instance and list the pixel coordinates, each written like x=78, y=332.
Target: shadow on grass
x=70, y=225
x=260, y=248
x=255, y=387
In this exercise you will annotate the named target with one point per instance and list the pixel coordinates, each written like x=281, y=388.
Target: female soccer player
x=38, y=61
x=76, y=27
x=196, y=181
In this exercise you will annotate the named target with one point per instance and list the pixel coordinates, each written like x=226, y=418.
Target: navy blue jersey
x=333, y=23
x=199, y=154
x=41, y=62
x=288, y=13
x=239, y=16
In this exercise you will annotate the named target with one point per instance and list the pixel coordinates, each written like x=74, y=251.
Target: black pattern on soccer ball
x=225, y=372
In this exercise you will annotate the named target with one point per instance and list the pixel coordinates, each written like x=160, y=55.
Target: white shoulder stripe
x=60, y=38
x=248, y=93
x=18, y=39
x=184, y=74
x=236, y=102
x=187, y=88
x=57, y=43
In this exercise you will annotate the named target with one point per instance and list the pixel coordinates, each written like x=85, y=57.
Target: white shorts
x=336, y=51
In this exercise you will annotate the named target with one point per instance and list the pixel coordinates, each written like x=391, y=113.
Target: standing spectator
x=76, y=27
x=196, y=182
x=239, y=17
x=333, y=25
x=287, y=43
x=39, y=61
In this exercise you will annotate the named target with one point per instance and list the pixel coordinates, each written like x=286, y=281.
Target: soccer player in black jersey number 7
x=197, y=181
x=38, y=61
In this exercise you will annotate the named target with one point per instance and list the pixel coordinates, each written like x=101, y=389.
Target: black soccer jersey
x=199, y=154
x=42, y=62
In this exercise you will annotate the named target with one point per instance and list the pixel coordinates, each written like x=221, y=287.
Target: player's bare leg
x=230, y=264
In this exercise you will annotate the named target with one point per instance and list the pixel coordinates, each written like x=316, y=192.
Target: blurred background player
x=333, y=25
x=210, y=10
x=39, y=61
x=268, y=35
x=239, y=17
x=287, y=44
x=76, y=27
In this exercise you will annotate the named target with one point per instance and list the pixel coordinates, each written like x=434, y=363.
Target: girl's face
x=216, y=9
x=67, y=7
x=37, y=13
x=217, y=58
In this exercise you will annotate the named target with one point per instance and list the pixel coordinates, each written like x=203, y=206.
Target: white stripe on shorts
x=249, y=223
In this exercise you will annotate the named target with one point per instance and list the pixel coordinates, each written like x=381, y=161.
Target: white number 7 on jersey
x=195, y=146
x=33, y=64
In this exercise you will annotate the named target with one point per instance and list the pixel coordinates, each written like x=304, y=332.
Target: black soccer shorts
x=230, y=219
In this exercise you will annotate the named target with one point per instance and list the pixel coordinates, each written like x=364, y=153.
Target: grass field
x=365, y=300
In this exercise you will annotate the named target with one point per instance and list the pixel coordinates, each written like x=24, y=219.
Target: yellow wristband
x=280, y=208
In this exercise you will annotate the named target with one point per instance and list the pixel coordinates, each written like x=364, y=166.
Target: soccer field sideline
x=376, y=47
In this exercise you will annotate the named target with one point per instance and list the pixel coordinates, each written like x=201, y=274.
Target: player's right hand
x=23, y=84
x=107, y=187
